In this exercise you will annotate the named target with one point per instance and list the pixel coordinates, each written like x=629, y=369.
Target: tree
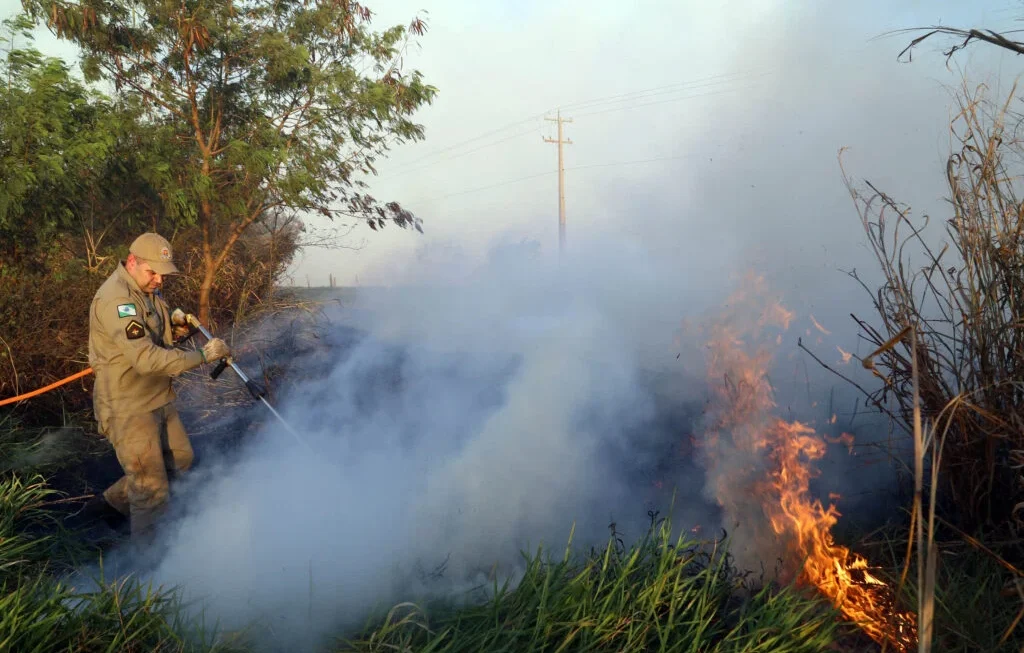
x=256, y=106
x=60, y=158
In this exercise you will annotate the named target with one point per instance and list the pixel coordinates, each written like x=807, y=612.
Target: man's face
x=143, y=274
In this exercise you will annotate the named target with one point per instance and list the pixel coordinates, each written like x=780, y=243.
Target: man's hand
x=179, y=325
x=215, y=349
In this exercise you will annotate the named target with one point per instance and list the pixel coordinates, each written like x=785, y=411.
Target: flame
x=845, y=354
x=768, y=457
x=818, y=326
x=845, y=438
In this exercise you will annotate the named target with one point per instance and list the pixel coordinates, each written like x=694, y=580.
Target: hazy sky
x=713, y=137
x=751, y=103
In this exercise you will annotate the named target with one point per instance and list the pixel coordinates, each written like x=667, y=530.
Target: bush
x=246, y=280
x=44, y=331
x=44, y=316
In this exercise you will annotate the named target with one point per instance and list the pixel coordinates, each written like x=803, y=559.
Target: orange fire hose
x=28, y=395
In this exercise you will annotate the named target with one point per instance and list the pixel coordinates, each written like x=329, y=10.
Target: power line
x=647, y=96
x=554, y=172
x=405, y=171
x=591, y=103
x=590, y=113
x=659, y=90
x=500, y=183
x=475, y=138
x=648, y=104
x=626, y=163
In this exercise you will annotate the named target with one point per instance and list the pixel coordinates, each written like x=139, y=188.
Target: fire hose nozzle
x=256, y=390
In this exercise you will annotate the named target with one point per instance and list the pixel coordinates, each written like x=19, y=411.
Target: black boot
x=97, y=509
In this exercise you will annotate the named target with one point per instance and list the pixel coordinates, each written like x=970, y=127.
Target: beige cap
x=155, y=250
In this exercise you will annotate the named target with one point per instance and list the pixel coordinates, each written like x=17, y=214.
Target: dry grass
x=963, y=303
x=950, y=358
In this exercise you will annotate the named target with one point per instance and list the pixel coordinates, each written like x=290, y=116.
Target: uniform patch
x=126, y=310
x=134, y=330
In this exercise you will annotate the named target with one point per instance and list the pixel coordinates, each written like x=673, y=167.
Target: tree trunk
x=205, y=289
x=209, y=265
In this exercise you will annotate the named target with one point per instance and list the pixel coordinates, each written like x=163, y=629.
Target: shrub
x=44, y=315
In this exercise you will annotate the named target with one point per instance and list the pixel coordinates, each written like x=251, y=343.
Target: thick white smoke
x=449, y=428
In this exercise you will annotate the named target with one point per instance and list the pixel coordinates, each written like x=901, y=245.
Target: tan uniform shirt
x=130, y=350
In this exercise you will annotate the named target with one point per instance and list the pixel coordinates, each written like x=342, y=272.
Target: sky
x=732, y=156
x=707, y=132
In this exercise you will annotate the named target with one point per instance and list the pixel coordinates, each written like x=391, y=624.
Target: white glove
x=215, y=349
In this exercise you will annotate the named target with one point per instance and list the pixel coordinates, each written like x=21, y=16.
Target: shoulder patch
x=126, y=310
x=134, y=330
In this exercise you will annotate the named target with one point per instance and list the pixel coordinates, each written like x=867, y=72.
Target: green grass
x=658, y=595
x=662, y=594
x=38, y=613
x=973, y=612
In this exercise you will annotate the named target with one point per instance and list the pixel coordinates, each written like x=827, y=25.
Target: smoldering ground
x=448, y=430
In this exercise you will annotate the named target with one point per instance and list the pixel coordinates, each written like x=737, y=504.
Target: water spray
x=256, y=390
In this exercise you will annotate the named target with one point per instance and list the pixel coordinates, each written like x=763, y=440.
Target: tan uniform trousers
x=151, y=447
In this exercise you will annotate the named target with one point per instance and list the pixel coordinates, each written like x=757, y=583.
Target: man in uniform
x=131, y=351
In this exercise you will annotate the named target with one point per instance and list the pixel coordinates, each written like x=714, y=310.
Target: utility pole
x=561, y=179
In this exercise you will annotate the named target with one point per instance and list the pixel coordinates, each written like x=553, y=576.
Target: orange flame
x=785, y=452
x=845, y=354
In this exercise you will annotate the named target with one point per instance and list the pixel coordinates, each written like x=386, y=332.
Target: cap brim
x=163, y=267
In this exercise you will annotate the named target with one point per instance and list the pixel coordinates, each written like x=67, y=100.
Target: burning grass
x=752, y=453
x=660, y=594
x=946, y=355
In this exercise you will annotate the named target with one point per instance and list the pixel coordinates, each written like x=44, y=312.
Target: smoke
x=445, y=429
x=449, y=428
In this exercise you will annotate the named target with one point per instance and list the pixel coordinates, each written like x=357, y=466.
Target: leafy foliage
x=256, y=106
x=40, y=613
x=63, y=157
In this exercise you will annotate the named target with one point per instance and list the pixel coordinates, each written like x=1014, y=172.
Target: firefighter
x=131, y=351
